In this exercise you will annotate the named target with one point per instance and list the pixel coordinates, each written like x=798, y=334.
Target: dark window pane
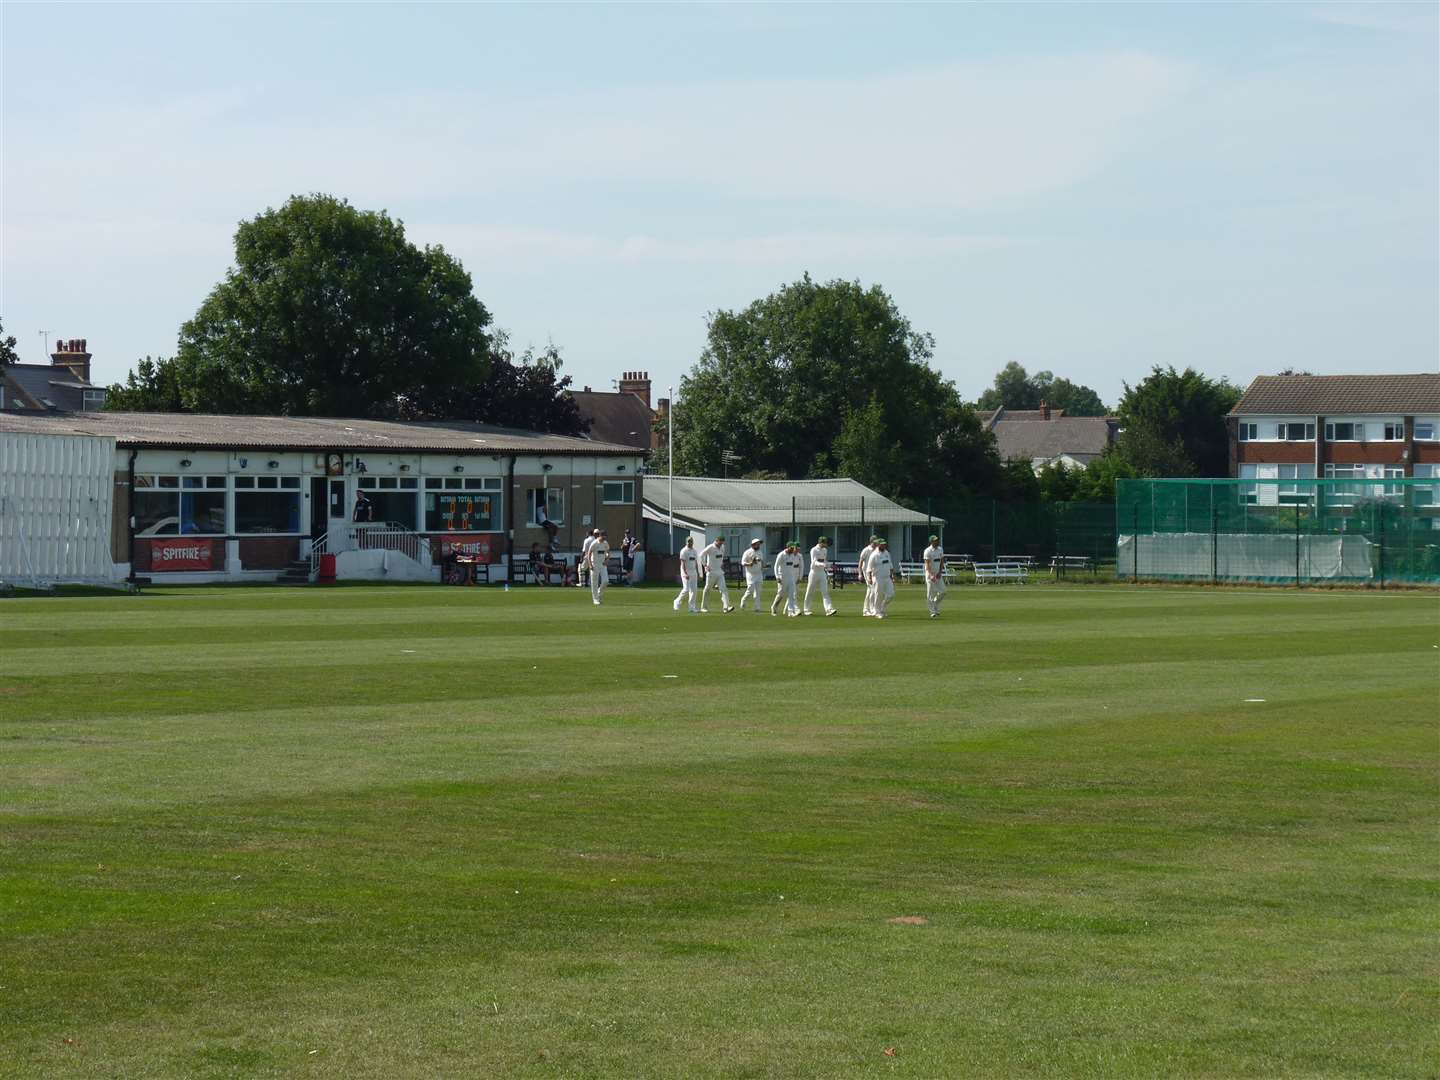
x=157, y=513
x=267, y=512
x=396, y=506
x=202, y=512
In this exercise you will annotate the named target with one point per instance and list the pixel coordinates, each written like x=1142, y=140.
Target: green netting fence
x=1342, y=531
x=1082, y=534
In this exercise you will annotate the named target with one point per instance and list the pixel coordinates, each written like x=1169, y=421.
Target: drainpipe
x=510, y=520
x=130, y=517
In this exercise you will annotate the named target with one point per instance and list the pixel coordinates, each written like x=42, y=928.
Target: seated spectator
x=538, y=560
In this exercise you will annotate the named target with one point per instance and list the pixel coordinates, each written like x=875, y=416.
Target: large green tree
x=1173, y=424
x=328, y=311
x=821, y=379
x=1015, y=388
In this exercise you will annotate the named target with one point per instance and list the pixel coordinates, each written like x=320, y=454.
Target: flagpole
x=670, y=446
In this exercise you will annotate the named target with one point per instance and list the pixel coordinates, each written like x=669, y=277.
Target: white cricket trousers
x=687, y=593
x=754, y=586
x=868, y=607
x=598, y=581
x=818, y=580
x=934, y=592
x=785, y=590
x=716, y=581
x=884, y=593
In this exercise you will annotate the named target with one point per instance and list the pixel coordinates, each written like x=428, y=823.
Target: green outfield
x=422, y=831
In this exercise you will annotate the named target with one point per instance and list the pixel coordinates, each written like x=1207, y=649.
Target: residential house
x=1342, y=427
x=63, y=385
x=1047, y=436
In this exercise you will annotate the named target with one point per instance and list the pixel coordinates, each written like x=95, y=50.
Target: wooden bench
x=999, y=571
x=1060, y=563
x=1027, y=561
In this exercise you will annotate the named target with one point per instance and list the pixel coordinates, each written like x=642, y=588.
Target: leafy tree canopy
x=330, y=311
x=829, y=379
x=8, y=355
x=1015, y=388
x=1173, y=424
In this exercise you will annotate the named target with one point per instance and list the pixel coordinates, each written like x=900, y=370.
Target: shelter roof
x=711, y=500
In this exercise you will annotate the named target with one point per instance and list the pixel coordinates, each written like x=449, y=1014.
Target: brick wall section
x=268, y=553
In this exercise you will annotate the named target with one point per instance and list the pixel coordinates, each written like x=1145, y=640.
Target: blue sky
x=1088, y=189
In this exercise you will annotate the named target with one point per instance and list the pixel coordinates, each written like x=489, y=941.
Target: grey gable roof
x=1337, y=395
x=45, y=382
x=141, y=430
x=614, y=417
x=1025, y=440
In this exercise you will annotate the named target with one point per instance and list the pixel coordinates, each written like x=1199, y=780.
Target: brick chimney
x=1044, y=410
x=72, y=355
x=637, y=383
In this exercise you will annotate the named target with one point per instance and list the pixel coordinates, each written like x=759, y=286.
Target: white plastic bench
x=1060, y=563
x=1001, y=571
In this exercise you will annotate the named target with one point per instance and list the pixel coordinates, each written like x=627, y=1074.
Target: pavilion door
x=319, y=517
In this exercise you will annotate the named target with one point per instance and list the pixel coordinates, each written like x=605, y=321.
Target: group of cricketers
x=704, y=570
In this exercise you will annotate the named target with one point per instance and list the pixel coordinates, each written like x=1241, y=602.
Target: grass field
x=462, y=832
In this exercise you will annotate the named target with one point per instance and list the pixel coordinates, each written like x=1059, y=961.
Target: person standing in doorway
x=689, y=571
x=867, y=606
x=882, y=579
x=599, y=573
x=712, y=566
x=364, y=508
x=935, y=589
x=819, y=577
x=753, y=563
x=788, y=565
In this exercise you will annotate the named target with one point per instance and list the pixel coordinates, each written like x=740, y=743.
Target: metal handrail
x=391, y=536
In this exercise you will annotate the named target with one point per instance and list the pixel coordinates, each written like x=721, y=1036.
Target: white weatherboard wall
x=55, y=505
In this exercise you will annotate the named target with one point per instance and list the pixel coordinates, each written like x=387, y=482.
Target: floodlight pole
x=670, y=447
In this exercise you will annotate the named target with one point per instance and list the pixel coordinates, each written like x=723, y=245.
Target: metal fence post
x=994, y=544
x=1380, y=513
x=794, y=519
x=1297, y=546
x=1214, y=540
x=1135, y=543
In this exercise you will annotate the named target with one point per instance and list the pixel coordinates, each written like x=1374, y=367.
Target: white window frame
x=1426, y=429
x=1392, y=431
x=1426, y=494
x=554, y=505
x=1331, y=426
x=183, y=484
x=92, y=399
x=622, y=501
x=1248, y=431
x=267, y=484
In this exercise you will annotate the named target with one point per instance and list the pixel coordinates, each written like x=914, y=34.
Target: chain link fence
x=1300, y=532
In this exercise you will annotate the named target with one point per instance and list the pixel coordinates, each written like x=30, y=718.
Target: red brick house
x=1370, y=427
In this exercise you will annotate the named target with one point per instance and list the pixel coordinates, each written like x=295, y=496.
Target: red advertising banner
x=485, y=548
x=177, y=553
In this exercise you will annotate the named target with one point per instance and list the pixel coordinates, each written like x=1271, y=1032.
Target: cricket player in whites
x=819, y=577
x=689, y=571
x=582, y=564
x=787, y=577
x=753, y=563
x=882, y=577
x=863, y=569
x=712, y=565
x=935, y=590
x=599, y=576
